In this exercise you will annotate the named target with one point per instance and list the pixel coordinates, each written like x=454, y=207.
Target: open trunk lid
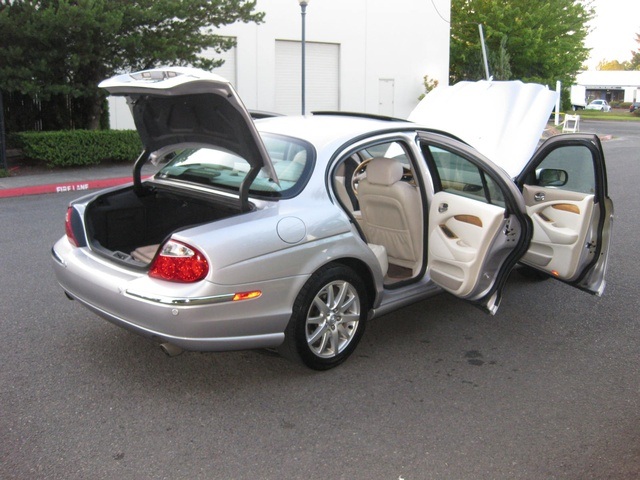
x=175, y=106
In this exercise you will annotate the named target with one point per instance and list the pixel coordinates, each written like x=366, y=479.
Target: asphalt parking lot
x=549, y=388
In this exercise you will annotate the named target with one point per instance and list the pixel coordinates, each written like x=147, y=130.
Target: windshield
x=216, y=167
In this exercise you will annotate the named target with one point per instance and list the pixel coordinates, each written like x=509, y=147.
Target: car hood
x=502, y=120
x=178, y=105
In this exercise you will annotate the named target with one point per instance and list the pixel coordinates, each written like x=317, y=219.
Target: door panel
x=565, y=191
x=461, y=234
x=477, y=225
x=561, y=222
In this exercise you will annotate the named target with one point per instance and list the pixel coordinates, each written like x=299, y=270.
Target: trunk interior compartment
x=121, y=222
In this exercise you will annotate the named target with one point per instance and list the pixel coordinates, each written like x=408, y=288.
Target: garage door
x=322, y=77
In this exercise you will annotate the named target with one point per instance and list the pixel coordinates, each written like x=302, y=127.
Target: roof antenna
x=484, y=53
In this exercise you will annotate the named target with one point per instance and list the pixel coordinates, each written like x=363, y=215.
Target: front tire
x=328, y=318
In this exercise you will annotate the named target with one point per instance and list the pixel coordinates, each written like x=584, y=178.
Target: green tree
x=611, y=65
x=540, y=41
x=57, y=49
x=634, y=63
x=501, y=61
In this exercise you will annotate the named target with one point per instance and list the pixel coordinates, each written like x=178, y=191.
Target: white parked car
x=294, y=232
x=601, y=105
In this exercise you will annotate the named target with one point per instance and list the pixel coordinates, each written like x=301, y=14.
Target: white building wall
x=631, y=94
x=399, y=40
x=379, y=39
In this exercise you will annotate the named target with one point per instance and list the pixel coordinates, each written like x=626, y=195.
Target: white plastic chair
x=571, y=123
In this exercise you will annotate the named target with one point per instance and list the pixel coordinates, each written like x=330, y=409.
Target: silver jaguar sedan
x=294, y=232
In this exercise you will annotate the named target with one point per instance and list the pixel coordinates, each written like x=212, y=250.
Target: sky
x=614, y=31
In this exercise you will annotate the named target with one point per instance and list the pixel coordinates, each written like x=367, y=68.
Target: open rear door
x=477, y=224
x=565, y=191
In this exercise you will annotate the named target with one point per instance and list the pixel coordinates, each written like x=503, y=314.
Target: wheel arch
x=364, y=272
x=313, y=335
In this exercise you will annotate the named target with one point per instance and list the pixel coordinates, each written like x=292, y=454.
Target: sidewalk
x=34, y=181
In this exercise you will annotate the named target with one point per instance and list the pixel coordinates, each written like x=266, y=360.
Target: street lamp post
x=3, y=148
x=303, y=13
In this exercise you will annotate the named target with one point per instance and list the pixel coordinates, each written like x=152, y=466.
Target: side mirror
x=551, y=177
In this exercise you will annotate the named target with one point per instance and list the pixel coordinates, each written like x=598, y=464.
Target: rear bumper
x=194, y=317
x=219, y=344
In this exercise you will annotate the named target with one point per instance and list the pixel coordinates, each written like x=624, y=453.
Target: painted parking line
x=75, y=186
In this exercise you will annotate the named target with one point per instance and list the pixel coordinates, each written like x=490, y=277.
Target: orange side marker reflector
x=555, y=273
x=247, y=295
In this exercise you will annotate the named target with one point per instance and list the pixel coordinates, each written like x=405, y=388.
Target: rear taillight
x=179, y=262
x=68, y=227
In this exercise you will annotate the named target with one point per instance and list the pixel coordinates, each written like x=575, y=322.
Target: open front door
x=477, y=224
x=565, y=191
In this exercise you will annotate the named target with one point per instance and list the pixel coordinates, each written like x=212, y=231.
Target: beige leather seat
x=291, y=171
x=392, y=213
x=340, y=187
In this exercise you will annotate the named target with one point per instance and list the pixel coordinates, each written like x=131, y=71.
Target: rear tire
x=328, y=318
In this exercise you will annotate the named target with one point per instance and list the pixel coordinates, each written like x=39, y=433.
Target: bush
x=72, y=148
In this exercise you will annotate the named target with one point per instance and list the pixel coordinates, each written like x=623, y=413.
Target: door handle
x=539, y=197
x=443, y=207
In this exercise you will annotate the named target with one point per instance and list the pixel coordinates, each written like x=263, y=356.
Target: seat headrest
x=300, y=157
x=384, y=171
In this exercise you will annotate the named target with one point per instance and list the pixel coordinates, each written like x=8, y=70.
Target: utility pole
x=484, y=52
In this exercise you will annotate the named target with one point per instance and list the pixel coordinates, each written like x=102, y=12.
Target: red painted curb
x=76, y=186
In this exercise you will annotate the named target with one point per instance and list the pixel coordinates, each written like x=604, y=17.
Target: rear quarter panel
x=250, y=248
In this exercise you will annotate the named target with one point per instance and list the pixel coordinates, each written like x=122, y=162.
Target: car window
x=216, y=167
x=352, y=168
x=460, y=176
x=577, y=162
x=388, y=150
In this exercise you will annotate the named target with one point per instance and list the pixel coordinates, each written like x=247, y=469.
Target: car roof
x=325, y=129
